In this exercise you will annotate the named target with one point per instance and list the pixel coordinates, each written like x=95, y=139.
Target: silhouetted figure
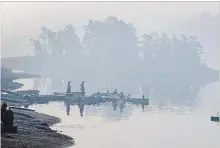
x=3, y=111
x=7, y=119
x=115, y=92
x=68, y=88
x=143, y=97
x=82, y=88
x=107, y=92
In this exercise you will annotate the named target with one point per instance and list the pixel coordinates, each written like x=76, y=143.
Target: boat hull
x=139, y=101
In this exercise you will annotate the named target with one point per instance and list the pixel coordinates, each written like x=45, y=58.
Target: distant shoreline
x=8, y=77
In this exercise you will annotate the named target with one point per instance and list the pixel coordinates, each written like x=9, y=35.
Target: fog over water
x=167, y=51
x=154, y=126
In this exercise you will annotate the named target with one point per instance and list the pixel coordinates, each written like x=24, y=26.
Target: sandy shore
x=34, y=132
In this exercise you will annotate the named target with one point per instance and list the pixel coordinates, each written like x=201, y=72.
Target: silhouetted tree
x=37, y=47
x=112, y=44
x=44, y=37
x=70, y=42
x=111, y=37
x=172, y=65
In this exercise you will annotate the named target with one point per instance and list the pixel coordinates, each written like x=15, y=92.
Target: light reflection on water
x=154, y=126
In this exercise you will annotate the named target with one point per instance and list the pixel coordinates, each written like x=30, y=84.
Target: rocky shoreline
x=34, y=132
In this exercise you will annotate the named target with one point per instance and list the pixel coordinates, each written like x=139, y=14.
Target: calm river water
x=155, y=126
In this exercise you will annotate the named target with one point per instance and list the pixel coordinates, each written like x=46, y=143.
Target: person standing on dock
x=143, y=96
x=68, y=88
x=82, y=88
x=115, y=92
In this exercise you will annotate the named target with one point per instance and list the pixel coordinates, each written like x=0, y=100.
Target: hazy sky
x=22, y=20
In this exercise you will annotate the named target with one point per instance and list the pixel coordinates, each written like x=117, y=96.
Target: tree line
x=110, y=49
x=115, y=39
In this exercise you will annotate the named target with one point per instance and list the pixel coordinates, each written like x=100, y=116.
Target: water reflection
x=67, y=104
x=113, y=120
x=106, y=111
x=160, y=90
x=110, y=110
x=122, y=107
x=164, y=95
x=115, y=111
x=81, y=108
x=142, y=107
x=114, y=104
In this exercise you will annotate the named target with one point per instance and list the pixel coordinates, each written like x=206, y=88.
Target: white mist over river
x=102, y=42
x=155, y=126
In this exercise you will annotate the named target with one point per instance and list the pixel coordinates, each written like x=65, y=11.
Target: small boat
x=105, y=97
x=74, y=96
x=16, y=97
x=28, y=92
x=215, y=118
x=65, y=94
x=90, y=100
x=138, y=101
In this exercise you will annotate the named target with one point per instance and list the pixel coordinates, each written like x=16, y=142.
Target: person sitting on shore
x=3, y=111
x=7, y=119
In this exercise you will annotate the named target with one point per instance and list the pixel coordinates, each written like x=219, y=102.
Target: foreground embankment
x=34, y=132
